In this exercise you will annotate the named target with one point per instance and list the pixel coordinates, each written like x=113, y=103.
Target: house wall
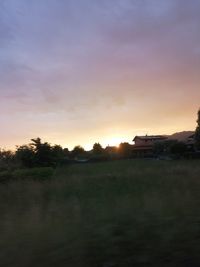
x=140, y=142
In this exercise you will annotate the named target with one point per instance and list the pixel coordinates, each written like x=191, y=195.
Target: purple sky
x=80, y=71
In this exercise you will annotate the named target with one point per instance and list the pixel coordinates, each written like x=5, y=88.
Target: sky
x=76, y=72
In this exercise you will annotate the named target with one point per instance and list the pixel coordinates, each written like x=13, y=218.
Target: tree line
x=42, y=154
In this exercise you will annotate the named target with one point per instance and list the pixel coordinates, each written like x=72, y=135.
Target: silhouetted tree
x=97, y=149
x=98, y=153
x=66, y=152
x=39, y=154
x=25, y=155
x=178, y=148
x=7, y=159
x=197, y=132
x=77, y=152
x=43, y=153
x=163, y=147
x=125, y=150
x=57, y=154
x=170, y=147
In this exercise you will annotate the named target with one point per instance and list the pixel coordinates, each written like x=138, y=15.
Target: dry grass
x=123, y=213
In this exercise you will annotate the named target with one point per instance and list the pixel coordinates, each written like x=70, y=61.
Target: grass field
x=114, y=214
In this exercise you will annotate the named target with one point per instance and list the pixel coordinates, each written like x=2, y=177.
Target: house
x=144, y=145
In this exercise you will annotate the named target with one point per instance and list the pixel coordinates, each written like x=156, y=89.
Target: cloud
x=89, y=64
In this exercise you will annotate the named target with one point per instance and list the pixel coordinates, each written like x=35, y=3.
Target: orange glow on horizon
x=113, y=141
x=107, y=141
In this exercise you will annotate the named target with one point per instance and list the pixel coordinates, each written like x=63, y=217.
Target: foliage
x=25, y=154
x=43, y=153
x=170, y=147
x=125, y=150
x=97, y=149
x=66, y=152
x=78, y=151
x=98, y=153
x=178, y=148
x=39, y=154
x=7, y=159
x=119, y=213
x=197, y=132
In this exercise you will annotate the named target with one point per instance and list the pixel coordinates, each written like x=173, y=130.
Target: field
x=113, y=214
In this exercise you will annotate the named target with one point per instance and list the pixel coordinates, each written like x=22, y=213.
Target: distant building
x=144, y=144
x=111, y=151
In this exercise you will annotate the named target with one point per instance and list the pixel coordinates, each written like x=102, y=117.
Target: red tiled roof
x=150, y=137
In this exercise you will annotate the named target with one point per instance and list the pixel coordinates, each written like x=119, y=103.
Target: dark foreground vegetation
x=120, y=213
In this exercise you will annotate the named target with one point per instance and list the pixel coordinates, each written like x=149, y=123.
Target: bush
x=170, y=147
x=39, y=154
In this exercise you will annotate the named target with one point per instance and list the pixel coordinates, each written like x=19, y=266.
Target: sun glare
x=113, y=141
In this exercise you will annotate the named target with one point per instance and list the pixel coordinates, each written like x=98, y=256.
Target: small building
x=144, y=145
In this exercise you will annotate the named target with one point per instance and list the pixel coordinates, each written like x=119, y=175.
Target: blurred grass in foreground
x=122, y=213
x=32, y=173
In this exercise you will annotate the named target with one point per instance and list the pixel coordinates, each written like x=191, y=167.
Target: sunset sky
x=75, y=72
